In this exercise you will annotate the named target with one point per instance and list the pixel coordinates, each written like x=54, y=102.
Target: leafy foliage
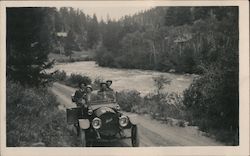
x=69, y=44
x=82, y=30
x=60, y=75
x=92, y=32
x=201, y=40
x=212, y=101
x=33, y=117
x=129, y=100
x=180, y=39
x=177, y=16
x=169, y=106
x=29, y=37
x=159, y=83
x=76, y=79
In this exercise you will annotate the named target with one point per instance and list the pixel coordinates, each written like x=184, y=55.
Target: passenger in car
x=80, y=100
x=89, y=90
x=109, y=83
x=102, y=91
x=105, y=92
x=80, y=94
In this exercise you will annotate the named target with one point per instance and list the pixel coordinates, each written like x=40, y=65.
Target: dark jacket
x=79, y=96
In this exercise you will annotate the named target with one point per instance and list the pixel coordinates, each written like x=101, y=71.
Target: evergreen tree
x=29, y=40
x=69, y=44
x=92, y=32
x=177, y=16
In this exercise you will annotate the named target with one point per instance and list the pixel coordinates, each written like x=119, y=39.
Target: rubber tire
x=83, y=138
x=135, y=136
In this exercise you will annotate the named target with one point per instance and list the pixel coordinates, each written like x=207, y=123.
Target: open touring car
x=102, y=120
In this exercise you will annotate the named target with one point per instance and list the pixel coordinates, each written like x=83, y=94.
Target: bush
x=33, y=117
x=60, y=76
x=129, y=100
x=212, y=103
x=181, y=123
x=75, y=79
x=159, y=83
x=167, y=105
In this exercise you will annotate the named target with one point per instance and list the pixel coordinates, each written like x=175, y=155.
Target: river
x=127, y=79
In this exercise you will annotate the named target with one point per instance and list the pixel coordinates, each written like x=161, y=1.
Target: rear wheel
x=134, y=136
x=83, y=138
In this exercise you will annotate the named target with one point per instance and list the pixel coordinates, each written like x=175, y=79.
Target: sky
x=113, y=12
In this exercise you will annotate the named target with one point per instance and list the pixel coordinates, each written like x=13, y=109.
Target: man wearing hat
x=103, y=89
x=80, y=99
x=106, y=92
x=79, y=96
x=109, y=83
x=89, y=89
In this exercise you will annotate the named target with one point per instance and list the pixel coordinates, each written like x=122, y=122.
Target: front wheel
x=83, y=138
x=134, y=136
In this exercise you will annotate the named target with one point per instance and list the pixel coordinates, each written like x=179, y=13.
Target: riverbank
x=76, y=56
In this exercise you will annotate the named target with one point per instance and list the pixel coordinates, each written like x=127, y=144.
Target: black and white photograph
x=126, y=76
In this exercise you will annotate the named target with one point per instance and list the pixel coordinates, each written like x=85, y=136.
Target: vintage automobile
x=102, y=120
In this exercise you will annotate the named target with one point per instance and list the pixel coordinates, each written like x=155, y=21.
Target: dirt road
x=152, y=133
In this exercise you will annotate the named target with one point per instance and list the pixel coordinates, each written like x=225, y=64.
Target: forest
x=195, y=40
x=177, y=39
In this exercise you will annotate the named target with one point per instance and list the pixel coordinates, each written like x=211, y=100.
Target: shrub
x=75, y=79
x=181, y=123
x=129, y=100
x=159, y=83
x=60, y=75
x=165, y=105
x=212, y=103
x=33, y=117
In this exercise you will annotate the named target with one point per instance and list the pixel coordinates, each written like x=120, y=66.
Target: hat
x=103, y=83
x=109, y=81
x=81, y=83
x=89, y=86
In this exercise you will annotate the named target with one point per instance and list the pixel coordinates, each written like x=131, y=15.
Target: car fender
x=84, y=123
x=133, y=118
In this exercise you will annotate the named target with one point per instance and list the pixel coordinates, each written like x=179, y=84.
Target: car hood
x=103, y=110
x=109, y=105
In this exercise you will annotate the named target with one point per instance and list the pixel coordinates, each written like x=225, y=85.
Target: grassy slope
x=33, y=119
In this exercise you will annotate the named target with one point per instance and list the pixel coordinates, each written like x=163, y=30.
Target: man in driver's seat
x=106, y=93
x=102, y=91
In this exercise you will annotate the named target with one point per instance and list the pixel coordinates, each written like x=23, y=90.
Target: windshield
x=102, y=97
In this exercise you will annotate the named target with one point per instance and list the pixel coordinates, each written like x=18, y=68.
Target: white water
x=127, y=79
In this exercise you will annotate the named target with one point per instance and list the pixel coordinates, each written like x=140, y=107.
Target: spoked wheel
x=83, y=138
x=134, y=136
